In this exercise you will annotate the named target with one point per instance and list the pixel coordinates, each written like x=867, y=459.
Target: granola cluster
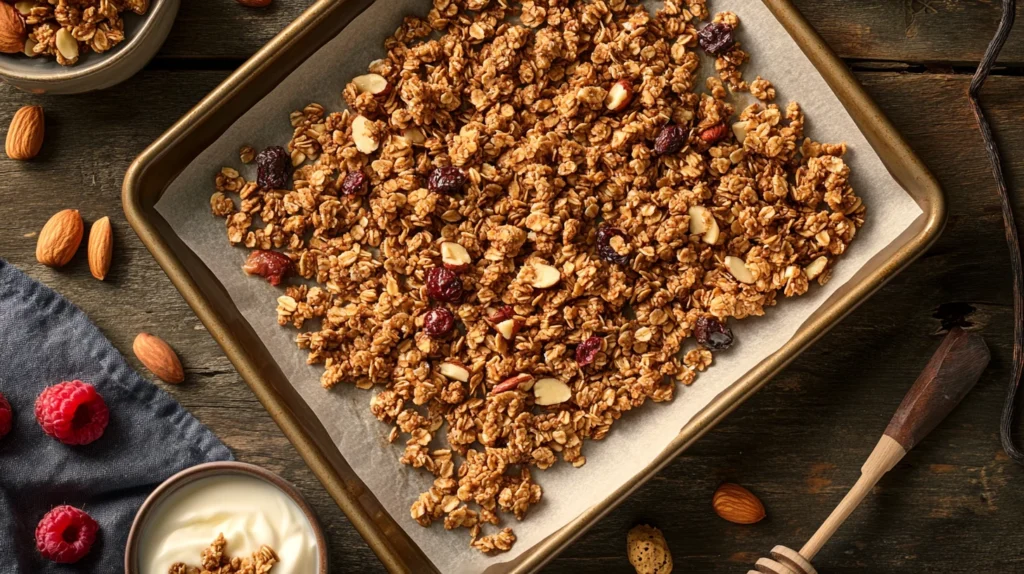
x=569, y=191
x=68, y=29
x=214, y=560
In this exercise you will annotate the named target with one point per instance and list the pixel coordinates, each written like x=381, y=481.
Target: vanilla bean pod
x=1012, y=240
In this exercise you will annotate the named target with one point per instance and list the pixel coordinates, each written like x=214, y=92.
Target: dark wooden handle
x=952, y=371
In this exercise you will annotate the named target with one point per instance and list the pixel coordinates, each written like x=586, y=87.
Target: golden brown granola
x=608, y=208
x=94, y=25
x=214, y=560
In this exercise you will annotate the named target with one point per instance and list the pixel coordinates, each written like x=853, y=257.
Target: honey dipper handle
x=954, y=368
x=952, y=371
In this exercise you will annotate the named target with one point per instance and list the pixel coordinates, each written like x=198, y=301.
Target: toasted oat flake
x=515, y=98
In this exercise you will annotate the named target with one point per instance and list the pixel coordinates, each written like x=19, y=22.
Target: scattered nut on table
x=648, y=551
x=737, y=504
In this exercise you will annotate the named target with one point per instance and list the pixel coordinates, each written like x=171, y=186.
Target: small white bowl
x=143, y=37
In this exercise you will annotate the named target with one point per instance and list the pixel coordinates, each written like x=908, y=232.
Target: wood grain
x=954, y=495
x=939, y=32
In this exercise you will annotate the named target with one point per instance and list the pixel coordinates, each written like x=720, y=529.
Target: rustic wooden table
x=953, y=505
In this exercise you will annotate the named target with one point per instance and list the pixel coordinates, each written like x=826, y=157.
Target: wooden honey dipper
x=952, y=371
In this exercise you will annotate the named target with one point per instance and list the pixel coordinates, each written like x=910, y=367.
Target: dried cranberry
x=446, y=180
x=272, y=168
x=271, y=265
x=716, y=39
x=354, y=183
x=438, y=322
x=712, y=334
x=443, y=285
x=587, y=351
x=670, y=140
x=606, y=245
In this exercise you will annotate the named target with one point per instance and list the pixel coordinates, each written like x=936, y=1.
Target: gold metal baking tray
x=152, y=172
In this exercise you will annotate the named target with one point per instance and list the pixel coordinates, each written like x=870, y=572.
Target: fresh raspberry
x=5, y=416
x=65, y=534
x=73, y=413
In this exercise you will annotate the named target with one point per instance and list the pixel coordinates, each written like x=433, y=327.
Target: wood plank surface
x=919, y=31
x=953, y=496
x=952, y=506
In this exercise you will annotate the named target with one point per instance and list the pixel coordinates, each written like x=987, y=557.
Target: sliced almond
x=739, y=129
x=739, y=269
x=508, y=328
x=455, y=256
x=415, y=135
x=522, y=381
x=30, y=48
x=814, y=268
x=374, y=84
x=551, y=392
x=454, y=371
x=24, y=7
x=67, y=45
x=364, y=136
x=545, y=276
x=702, y=222
x=619, y=95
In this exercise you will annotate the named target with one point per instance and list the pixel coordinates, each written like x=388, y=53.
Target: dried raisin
x=712, y=333
x=446, y=180
x=716, y=38
x=272, y=168
x=670, y=140
x=613, y=245
x=587, y=351
x=354, y=183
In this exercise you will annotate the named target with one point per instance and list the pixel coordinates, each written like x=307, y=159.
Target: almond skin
x=737, y=504
x=12, y=30
x=25, y=136
x=159, y=358
x=101, y=248
x=60, y=237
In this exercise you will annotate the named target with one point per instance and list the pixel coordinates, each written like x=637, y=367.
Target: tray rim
x=138, y=198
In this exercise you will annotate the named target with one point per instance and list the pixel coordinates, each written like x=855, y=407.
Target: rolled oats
x=68, y=29
x=497, y=138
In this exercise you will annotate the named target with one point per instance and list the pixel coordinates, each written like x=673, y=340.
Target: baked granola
x=68, y=29
x=554, y=178
x=214, y=560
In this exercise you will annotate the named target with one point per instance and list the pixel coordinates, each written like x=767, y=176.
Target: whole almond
x=737, y=504
x=12, y=30
x=159, y=358
x=254, y=3
x=60, y=237
x=101, y=248
x=714, y=133
x=25, y=136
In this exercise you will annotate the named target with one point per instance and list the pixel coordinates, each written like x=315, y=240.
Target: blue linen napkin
x=45, y=340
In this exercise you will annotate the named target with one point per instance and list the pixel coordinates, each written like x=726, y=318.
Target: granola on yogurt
x=522, y=218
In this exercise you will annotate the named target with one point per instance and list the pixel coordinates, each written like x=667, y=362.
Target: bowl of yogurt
x=252, y=508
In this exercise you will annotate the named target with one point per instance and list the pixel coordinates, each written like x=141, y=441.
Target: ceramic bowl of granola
x=91, y=46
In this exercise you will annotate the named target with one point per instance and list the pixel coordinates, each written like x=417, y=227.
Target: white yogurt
x=248, y=511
